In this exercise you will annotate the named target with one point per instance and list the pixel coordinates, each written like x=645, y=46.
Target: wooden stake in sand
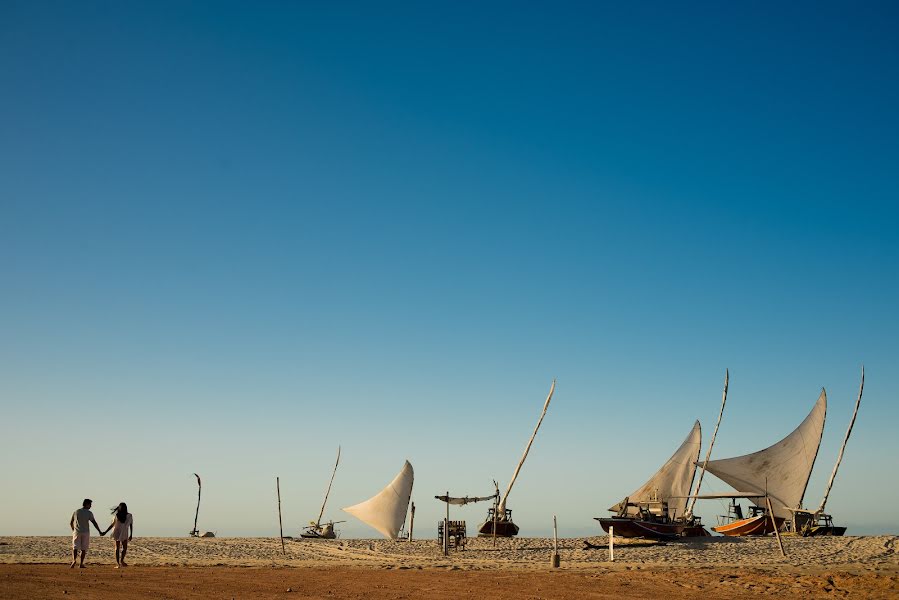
x=774, y=524
x=280, y=525
x=555, y=559
x=611, y=543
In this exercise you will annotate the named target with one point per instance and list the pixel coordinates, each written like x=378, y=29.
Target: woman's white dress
x=120, y=530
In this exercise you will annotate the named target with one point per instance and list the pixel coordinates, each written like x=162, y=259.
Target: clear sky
x=236, y=235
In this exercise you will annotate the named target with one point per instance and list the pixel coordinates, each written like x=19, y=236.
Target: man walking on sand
x=81, y=531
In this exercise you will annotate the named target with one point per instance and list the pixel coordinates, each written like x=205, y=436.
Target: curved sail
x=386, y=511
x=781, y=470
x=673, y=480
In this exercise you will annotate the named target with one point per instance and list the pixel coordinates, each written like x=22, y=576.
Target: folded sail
x=783, y=470
x=465, y=500
x=673, y=481
x=386, y=511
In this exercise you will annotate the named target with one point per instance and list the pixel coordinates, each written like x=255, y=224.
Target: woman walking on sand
x=122, y=530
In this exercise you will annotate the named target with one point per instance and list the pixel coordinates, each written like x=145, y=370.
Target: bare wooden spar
x=502, y=505
x=195, y=531
x=833, y=475
x=318, y=523
x=708, y=453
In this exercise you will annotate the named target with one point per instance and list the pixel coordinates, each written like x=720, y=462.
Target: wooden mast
x=502, y=505
x=318, y=523
x=708, y=453
x=196, y=531
x=833, y=475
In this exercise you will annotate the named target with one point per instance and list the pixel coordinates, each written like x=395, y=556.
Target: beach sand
x=37, y=567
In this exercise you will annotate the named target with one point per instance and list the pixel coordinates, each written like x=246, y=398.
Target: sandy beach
x=36, y=567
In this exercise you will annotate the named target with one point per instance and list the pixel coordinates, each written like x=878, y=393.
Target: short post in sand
x=280, y=525
x=611, y=543
x=774, y=524
x=555, y=560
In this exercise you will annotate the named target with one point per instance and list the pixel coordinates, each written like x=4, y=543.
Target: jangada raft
x=316, y=529
x=655, y=510
x=386, y=510
x=499, y=519
x=779, y=473
x=659, y=509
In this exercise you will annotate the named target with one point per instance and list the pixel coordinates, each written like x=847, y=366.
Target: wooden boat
x=652, y=525
x=316, y=529
x=758, y=523
x=780, y=473
x=499, y=519
x=659, y=509
x=652, y=510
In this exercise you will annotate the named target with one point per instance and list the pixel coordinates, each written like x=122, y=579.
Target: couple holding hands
x=122, y=530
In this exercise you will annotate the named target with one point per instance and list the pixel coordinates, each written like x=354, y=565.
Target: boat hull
x=638, y=528
x=820, y=530
x=503, y=529
x=757, y=525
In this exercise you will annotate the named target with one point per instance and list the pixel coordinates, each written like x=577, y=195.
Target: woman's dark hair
x=121, y=512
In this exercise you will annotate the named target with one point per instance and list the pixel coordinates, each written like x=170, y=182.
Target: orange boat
x=759, y=523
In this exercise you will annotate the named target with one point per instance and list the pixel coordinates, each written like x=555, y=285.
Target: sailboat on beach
x=779, y=473
x=653, y=509
x=386, y=510
x=659, y=509
x=499, y=518
x=316, y=529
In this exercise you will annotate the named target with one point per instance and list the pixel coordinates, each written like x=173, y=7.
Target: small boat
x=757, y=523
x=652, y=510
x=316, y=529
x=780, y=473
x=386, y=510
x=660, y=508
x=499, y=518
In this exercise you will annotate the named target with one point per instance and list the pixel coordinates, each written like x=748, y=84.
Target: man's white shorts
x=81, y=541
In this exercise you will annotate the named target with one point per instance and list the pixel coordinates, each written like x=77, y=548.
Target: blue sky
x=234, y=237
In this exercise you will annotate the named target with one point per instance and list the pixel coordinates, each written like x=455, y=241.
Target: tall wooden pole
x=412, y=522
x=446, y=528
x=318, y=523
x=861, y=388
x=196, y=531
x=280, y=525
x=502, y=504
x=495, y=510
x=708, y=454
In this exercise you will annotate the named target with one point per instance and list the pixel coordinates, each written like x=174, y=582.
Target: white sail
x=386, y=511
x=781, y=470
x=673, y=481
